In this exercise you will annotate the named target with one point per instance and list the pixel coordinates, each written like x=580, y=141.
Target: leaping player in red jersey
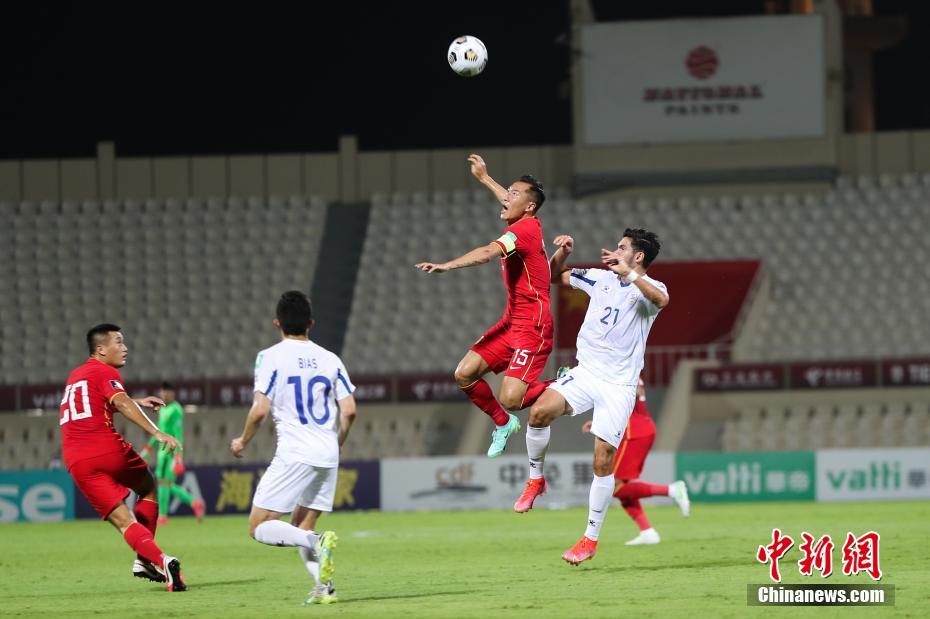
x=103, y=465
x=520, y=343
x=630, y=457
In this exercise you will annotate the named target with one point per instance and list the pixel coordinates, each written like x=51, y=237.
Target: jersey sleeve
x=585, y=279
x=507, y=242
x=109, y=382
x=266, y=376
x=343, y=384
x=519, y=238
x=648, y=306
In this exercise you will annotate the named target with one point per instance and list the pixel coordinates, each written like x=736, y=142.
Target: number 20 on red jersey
x=68, y=401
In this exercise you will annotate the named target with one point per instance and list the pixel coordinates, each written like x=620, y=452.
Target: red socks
x=631, y=492
x=534, y=391
x=635, y=510
x=143, y=542
x=481, y=396
x=640, y=490
x=146, y=512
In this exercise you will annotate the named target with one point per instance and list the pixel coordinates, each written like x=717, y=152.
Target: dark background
x=238, y=77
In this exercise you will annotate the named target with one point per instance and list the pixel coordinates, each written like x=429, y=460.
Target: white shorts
x=285, y=485
x=612, y=403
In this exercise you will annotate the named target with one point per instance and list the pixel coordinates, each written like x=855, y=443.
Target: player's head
x=105, y=343
x=524, y=198
x=168, y=392
x=294, y=315
x=640, y=246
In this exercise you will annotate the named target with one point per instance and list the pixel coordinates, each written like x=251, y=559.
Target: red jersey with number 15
x=86, y=415
x=526, y=273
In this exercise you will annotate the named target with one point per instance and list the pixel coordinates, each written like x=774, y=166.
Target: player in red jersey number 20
x=103, y=465
x=520, y=343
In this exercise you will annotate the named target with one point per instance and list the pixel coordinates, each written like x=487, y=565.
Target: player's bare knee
x=539, y=416
x=511, y=400
x=464, y=377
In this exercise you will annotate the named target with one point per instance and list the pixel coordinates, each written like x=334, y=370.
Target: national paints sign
x=681, y=80
x=765, y=476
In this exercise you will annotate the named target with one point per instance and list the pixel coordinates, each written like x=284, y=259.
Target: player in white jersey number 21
x=308, y=392
x=611, y=345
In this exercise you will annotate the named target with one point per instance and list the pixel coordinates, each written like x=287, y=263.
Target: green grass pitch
x=465, y=564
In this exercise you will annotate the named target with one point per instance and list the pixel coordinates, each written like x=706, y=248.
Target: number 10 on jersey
x=299, y=398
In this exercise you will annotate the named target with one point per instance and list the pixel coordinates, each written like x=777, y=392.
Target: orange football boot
x=533, y=489
x=582, y=551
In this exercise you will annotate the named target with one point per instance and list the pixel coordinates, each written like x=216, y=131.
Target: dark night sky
x=208, y=77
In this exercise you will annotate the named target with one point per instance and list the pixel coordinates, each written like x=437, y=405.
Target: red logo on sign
x=702, y=62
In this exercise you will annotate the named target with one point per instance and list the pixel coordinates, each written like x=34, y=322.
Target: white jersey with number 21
x=303, y=381
x=612, y=340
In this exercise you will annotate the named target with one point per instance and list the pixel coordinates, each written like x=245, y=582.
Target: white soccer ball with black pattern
x=468, y=56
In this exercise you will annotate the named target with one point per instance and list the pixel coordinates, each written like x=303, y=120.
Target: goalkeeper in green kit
x=170, y=466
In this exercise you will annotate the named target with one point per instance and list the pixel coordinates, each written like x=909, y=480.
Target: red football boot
x=533, y=489
x=199, y=510
x=582, y=551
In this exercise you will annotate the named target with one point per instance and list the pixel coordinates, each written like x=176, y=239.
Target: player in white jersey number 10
x=611, y=346
x=307, y=390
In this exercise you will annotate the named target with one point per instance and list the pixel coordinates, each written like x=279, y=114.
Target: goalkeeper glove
x=178, y=466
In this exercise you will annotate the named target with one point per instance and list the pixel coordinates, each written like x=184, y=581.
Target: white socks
x=602, y=489
x=537, y=442
x=312, y=566
x=278, y=533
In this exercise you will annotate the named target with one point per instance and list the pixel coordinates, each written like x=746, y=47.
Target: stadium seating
x=851, y=260
x=193, y=283
x=403, y=320
x=894, y=423
x=29, y=441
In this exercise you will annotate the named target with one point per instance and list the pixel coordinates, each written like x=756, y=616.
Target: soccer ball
x=468, y=56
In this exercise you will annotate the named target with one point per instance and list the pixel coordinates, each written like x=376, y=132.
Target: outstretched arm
x=261, y=406
x=479, y=170
x=560, y=273
x=130, y=409
x=479, y=255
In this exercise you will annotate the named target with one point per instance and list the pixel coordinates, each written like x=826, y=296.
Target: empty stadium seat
x=146, y=286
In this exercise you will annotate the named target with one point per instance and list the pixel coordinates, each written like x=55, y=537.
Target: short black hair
x=644, y=241
x=536, y=190
x=294, y=312
x=167, y=385
x=98, y=334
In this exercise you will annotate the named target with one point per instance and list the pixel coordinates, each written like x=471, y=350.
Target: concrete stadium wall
x=346, y=175
x=349, y=175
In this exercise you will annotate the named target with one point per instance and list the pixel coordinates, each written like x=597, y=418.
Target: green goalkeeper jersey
x=171, y=422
